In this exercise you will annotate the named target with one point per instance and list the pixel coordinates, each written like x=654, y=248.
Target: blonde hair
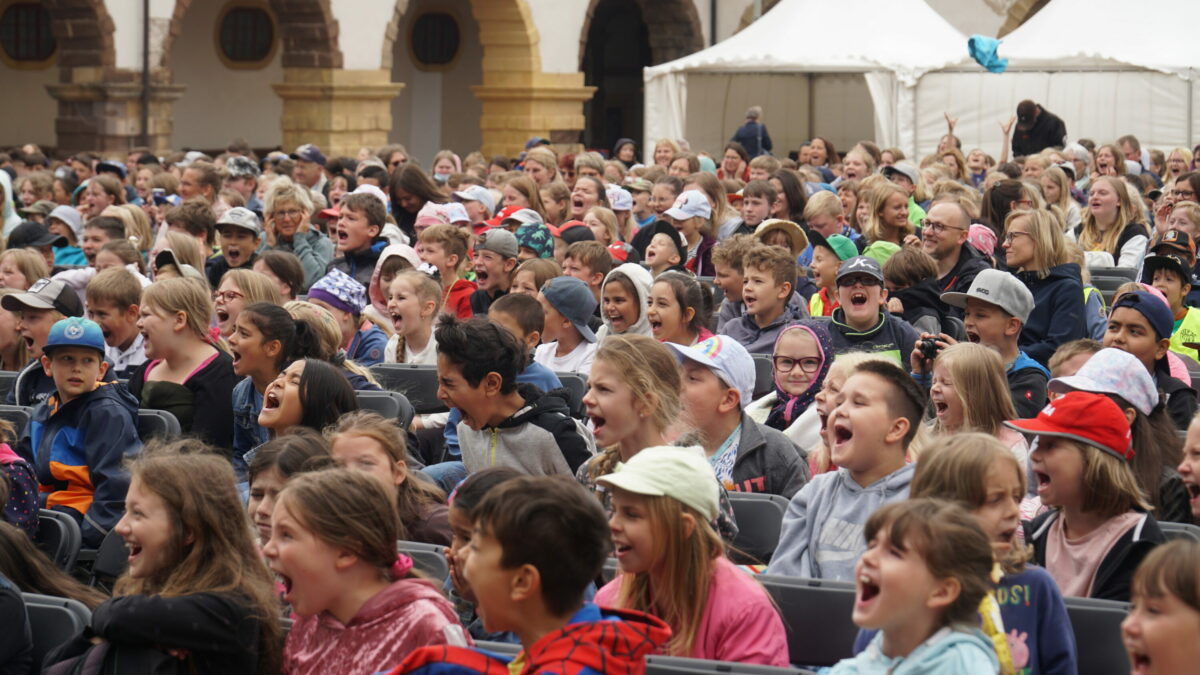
x=823, y=203
x=1059, y=178
x=955, y=468
x=543, y=269
x=546, y=157
x=979, y=378
x=137, y=227
x=606, y=216
x=1109, y=486
x=716, y=192
x=427, y=289
x=1090, y=236
x=651, y=373
x=190, y=296
x=255, y=286
x=284, y=191
x=963, y=175
x=31, y=264
x=1050, y=247
x=1191, y=210
x=873, y=229
x=680, y=594
x=329, y=335
x=186, y=249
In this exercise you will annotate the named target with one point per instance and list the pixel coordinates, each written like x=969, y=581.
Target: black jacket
x=1047, y=131
x=754, y=138
x=481, y=301
x=218, y=631
x=1027, y=381
x=360, y=264
x=210, y=416
x=1179, y=398
x=923, y=307
x=216, y=268
x=1115, y=573
x=1174, y=500
x=962, y=275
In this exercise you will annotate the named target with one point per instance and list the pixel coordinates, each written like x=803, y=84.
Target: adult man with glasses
x=944, y=237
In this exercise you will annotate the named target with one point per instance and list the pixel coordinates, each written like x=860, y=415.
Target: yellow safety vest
x=1189, y=331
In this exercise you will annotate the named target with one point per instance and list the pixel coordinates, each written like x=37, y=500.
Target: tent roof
x=905, y=37
x=1068, y=34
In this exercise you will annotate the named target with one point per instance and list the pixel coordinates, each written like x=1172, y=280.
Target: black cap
x=664, y=227
x=29, y=234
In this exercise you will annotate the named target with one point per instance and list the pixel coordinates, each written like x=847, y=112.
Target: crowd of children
x=913, y=358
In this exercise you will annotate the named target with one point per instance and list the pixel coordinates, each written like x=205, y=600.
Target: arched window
x=435, y=39
x=246, y=36
x=25, y=36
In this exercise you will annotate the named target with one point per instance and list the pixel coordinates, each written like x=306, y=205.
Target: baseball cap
x=375, y=192
x=240, y=216
x=683, y=474
x=794, y=232
x=309, y=153
x=167, y=257
x=906, y=169
x=573, y=299
x=997, y=288
x=498, y=241
x=663, y=227
x=535, y=237
x=432, y=214
x=42, y=207
x=241, y=167
x=619, y=198
x=112, y=166
x=1093, y=419
x=690, y=204
x=70, y=216
x=340, y=290
x=573, y=231
x=477, y=193
x=30, y=233
x=1161, y=319
x=455, y=213
x=841, y=245
x=982, y=238
x=504, y=213
x=860, y=264
x=1112, y=371
x=1170, y=261
x=638, y=185
x=1067, y=168
x=728, y=360
x=881, y=250
x=1175, y=241
x=522, y=217
x=1026, y=110
x=75, y=331
x=45, y=294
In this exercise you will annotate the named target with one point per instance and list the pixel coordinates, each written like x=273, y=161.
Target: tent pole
x=1190, y=103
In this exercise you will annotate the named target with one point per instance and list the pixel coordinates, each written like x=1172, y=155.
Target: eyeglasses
x=1012, y=236
x=227, y=296
x=936, y=227
x=785, y=364
x=847, y=282
x=290, y=214
x=1183, y=193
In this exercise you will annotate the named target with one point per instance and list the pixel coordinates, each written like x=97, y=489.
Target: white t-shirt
x=425, y=357
x=579, y=360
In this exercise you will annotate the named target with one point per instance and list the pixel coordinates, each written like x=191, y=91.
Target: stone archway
x=519, y=100
x=674, y=28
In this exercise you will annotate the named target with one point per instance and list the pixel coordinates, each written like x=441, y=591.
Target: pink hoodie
x=409, y=613
x=740, y=624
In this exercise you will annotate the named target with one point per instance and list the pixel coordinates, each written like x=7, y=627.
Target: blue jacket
x=78, y=452
x=946, y=652
x=247, y=435
x=366, y=349
x=1058, y=313
x=754, y=138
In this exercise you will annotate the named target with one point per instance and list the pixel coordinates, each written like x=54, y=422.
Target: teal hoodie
x=950, y=651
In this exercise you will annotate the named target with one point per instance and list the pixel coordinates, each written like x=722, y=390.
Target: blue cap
x=1160, y=316
x=75, y=332
x=574, y=300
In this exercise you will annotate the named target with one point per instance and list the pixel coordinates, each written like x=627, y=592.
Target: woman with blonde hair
x=725, y=219
x=1036, y=249
x=887, y=219
x=665, y=151
x=953, y=159
x=1111, y=224
x=970, y=392
x=137, y=227
x=1177, y=163
x=286, y=210
x=541, y=166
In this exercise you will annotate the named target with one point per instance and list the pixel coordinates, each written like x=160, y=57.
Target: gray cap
x=574, y=300
x=478, y=193
x=500, y=241
x=524, y=217
x=906, y=169
x=860, y=264
x=240, y=216
x=997, y=288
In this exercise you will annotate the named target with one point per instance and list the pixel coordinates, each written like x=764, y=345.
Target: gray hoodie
x=642, y=281
x=822, y=534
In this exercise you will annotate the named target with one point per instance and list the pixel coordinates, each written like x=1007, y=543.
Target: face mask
x=441, y=177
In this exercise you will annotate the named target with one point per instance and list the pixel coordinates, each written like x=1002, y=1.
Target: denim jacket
x=247, y=435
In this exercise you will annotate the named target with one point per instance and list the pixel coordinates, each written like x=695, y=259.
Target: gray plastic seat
x=418, y=383
x=17, y=415
x=157, y=424
x=427, y=558
x=816, y=614
x=1097, y=628
x=53, y=621
x=576, y=386
x=677, y=665
x=760, y=518
x=390, y=405
x=59, y=537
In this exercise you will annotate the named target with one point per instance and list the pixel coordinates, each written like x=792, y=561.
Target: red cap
x=331, y=212
x=618, y=252
x=1082, y=416
x=504, y=213
x=558, y=230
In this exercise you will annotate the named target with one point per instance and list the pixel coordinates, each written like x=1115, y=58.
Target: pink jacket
x=740, y=623
x=408, y=614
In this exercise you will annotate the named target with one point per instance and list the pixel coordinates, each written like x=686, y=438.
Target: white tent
x=804, y=61
x=1106, y=67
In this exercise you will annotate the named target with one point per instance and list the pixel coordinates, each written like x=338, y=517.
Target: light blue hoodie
x=959, y=651
x=822, y=534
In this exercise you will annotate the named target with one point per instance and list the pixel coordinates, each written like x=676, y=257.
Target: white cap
x=619, y=198
x=690, y=204
x=477, y=193
x=683, y=474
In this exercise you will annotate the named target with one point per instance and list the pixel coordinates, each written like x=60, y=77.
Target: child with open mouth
x=1189, y=468
x=624, y=298
x=926, y=569
x=239, y=232
x=333, y=546
x=969, y=393
x=1164, y=617
x=679, y=309
x=861, y=322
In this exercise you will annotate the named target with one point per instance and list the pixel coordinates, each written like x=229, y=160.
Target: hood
x=924, y=294
x=642, y=281
x=948, y=650
x=1024, y=361
x=890, y=484
x=8, y=210
x=599, y=640
x=376, y=294
x=537, y=403
x=395, y=601
x=1063, y=271
x=107, y=390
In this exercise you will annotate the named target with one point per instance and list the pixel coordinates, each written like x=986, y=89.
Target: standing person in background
x=1037, y=129
x=753, y=134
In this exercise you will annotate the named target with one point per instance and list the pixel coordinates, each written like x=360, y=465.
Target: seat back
x=816, y=614
x=53, y=621
x=391, y=405
x=59, y=537
x=764, y=375
x=1186, y=531
x=17, y=415
x=1193, y=367
x=111, y=560
x=8, y=380
x=759, y=518
x=427, y=558
x=418, y=383
x=1108, y=285
x=954, y=327
x=1097, y=628
x=677, y=665
x=157, y=424
x=576, y=386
